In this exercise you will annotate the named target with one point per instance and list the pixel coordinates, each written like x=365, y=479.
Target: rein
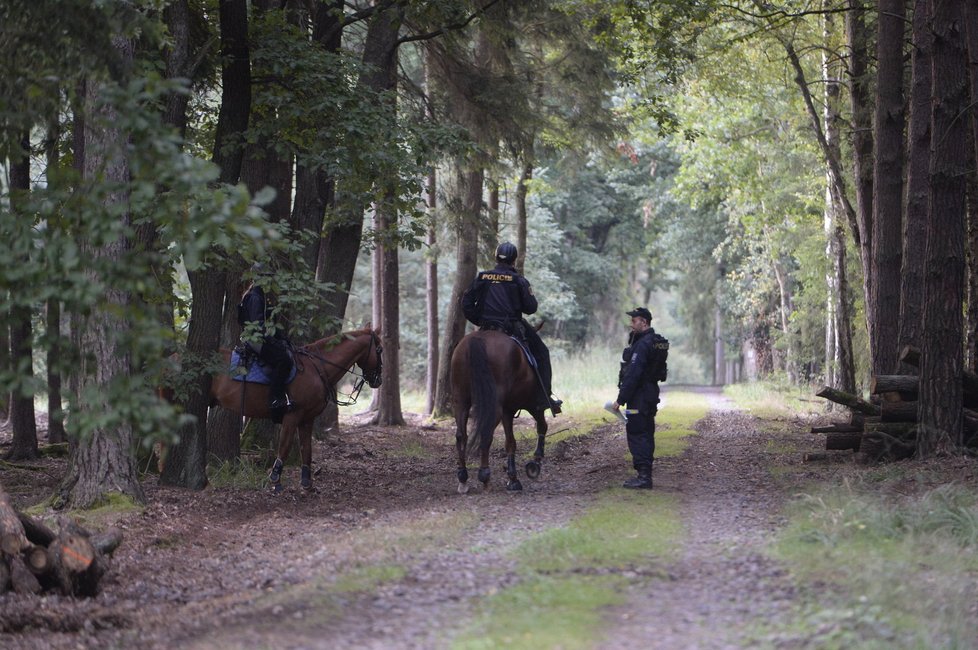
x=361, y=377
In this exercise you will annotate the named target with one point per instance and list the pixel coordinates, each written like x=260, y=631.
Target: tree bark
x=522, y=187
x=883, y=309
x=971, y=23
x=918, y=183
x=942, y=342
x=186, y=465
x=431, y=296
x=840, y=360
x=56, y=425
x=102, y=461
x=860, y=82
x=24, y=444
x=469, y=208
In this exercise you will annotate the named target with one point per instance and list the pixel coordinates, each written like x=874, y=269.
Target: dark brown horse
x=319, y=366
x=492, y=380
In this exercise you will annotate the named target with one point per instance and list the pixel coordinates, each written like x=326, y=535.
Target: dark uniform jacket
x=254, y=308
x=500, y=295
x=643, y=366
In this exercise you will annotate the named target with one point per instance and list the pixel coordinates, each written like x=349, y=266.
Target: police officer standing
x=497, y=299
x=266, y=339
x=643, y=366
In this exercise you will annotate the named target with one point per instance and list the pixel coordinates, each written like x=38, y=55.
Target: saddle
x=246, y=367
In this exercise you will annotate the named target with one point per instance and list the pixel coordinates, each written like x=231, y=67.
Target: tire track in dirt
x=723, y=585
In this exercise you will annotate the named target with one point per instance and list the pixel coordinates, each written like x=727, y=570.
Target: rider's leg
x=542, y=355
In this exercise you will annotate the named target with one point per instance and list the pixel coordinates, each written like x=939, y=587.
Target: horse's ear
x=377, y=331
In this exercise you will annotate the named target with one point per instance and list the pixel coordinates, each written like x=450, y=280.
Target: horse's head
x=371, y=362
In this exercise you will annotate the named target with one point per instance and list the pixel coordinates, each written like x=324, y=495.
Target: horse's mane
x=335, y=339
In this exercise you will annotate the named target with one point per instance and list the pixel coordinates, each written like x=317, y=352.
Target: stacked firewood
x=35, y=559
x=886, y=428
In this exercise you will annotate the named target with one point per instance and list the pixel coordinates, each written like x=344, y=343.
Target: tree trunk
x=839, y=358
x=431, y=297
x=942, y=338
x=526, y=175
x=860, y=82
x=102, y=460
x=468, y=205
x=24, y=444
x=918, y=183
x=883, y=309
x=971, y=22
x=56, y=426
x=186, y=465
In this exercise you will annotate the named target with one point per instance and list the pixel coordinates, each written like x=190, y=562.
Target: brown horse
x=319, y=366
x=492, y=379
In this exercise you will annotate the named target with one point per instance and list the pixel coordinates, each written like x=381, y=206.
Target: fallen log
x=846, y=399
x=33, y=558
x=840, y=427
x=904, y=384
x=842, y=441
x=969, y=380
x=907, y=412
x=878, y=446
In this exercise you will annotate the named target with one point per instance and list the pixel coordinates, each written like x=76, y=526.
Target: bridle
x=371, y=377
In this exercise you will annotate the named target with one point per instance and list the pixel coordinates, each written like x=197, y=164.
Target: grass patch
x=619, y=530
x=240, y=474
x=411, y=449
x=900, y=570
x=367, y=578
x=544, y=612
x=574, y=573
x=679, y=411
x=771, y=399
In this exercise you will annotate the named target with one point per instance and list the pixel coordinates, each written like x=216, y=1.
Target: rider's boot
x=643, y=481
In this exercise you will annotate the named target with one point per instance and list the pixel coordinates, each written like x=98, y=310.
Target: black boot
x=643, y=481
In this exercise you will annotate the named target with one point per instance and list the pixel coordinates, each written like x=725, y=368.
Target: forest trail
x=385, y=554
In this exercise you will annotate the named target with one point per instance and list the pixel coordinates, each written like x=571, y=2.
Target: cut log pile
x=886, y=428
x=35, y=559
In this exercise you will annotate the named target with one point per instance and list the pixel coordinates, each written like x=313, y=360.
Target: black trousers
x=640, y=433
x=277, y=362
x=541, y=353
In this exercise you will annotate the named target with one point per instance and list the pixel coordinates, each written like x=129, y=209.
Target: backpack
x=658, y=369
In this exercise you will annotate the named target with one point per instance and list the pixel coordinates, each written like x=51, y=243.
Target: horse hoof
x=306, y=481
x=463, y=488
x=532, y=470
x=514, y=486
x=276, y=488
x=484, y=474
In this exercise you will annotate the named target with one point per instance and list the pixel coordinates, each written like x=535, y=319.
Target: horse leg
x=461, y=441
x=305, y=449
x=513, y=485
x=533, y=467
x=284, y=446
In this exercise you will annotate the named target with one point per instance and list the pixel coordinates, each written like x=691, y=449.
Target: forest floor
x=385, y=554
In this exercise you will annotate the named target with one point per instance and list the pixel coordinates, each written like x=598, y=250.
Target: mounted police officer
x=267, y=340
x=497, y=299
x=643, y=366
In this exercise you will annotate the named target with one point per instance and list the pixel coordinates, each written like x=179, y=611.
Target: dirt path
x=386, y=555
x=723, y=586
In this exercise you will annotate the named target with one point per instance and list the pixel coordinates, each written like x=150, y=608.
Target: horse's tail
x=483, y=391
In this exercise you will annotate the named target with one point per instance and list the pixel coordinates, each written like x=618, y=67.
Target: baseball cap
x=641, y=312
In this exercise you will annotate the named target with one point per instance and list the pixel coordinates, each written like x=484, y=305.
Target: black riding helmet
x=506, y=252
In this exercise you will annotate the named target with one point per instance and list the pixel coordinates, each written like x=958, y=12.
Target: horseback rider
x=266, y=339
x=497, y=299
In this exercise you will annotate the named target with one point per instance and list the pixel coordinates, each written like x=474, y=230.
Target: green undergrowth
x=572, y=574
x=240, y=474
x=899, y=571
